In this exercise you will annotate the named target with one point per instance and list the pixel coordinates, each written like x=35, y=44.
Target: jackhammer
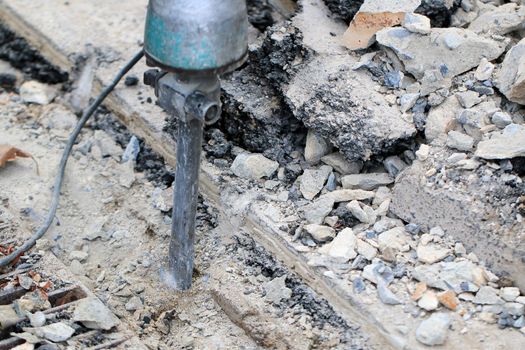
x=192, y=42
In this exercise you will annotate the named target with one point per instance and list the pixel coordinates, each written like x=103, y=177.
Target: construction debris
x=511, y=77
x=395, y=173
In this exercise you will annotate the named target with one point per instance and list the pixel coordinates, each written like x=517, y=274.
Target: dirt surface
x=125, y=232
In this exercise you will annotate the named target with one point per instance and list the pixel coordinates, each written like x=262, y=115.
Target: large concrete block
x=481, y=226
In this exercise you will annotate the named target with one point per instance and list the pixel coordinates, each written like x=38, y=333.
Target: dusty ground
x=124, y=238
x=449, y=207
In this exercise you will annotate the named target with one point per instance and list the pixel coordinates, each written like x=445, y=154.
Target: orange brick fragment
x=449, y=299
x=421, y=288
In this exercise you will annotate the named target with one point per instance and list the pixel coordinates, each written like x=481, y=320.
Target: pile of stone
x=349, y=230
x=47, y=328
x=453, y=74
x=461, y=87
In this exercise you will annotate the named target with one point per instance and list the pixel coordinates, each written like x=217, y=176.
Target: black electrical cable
x=62, y=166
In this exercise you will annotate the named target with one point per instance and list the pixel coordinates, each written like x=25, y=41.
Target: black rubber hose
x=62, y=166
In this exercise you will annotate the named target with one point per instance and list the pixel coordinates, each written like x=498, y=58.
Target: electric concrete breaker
x=192, y=42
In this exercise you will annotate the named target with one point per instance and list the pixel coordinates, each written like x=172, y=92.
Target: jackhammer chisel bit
x=192, y=42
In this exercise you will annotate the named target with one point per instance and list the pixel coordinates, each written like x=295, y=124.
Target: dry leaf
x=10, y=153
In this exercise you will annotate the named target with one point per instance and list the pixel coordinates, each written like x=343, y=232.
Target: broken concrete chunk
x=38, y=93
x=460, y=141
x=320, y=233
x=386, y=224
x=468, y=99
x=461, y=276
x=93, y=314
x=462, y=17
x=393, y=241
x=514, y=309
x=501, y=20
x=348, y=195
x=30, y=341
x=127, y=175
x=459, y=216
x=134, y=303
x=365, y=61
x=343, y=246
x=472, y=118
x=456, y=157
x=365, y=249
x=430, y=254
x=433, y=330
x=407, y=101
x=38, y=319
x=8, y=316
x=484, y=70
x=510, y=293
x=339, y=106
x=316, y=212
x=432, y=83
x=56, y=332
x=509, y=143
x=312, y=181
x=341, y=165
x=366, y=181
x=383, y=193
x=501, y=119
x=25, y=282
x=488, y=296
x=276, y=290
x=331, y=220
x=31, y=302
x=428, y=301
x=365, y=214
x=423, y=152
x=316, y=148
x=253, y=166
x=394, y=165
x=451, y=51
x=439, y=118
x=511, y=77
x=383, y=208
x=417, y=23
x=378, y=271
x=386, y=295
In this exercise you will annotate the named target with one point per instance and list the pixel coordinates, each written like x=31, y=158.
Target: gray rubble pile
x=431, y=226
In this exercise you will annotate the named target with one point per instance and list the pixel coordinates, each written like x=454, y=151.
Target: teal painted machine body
x=196, y=36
